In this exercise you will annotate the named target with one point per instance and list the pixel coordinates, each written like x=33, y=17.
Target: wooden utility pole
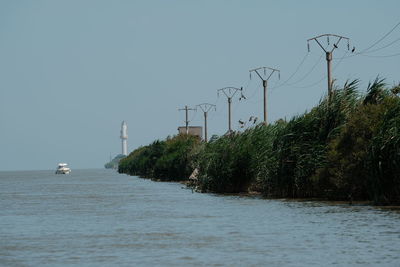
x=186, y=109
x=265, y=83
x=229, y=92
x=206, y=107
x=328, y=54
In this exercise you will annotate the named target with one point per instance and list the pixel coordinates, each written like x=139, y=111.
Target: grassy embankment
x=347, y=149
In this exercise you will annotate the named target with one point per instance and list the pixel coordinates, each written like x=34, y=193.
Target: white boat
x=63, y=168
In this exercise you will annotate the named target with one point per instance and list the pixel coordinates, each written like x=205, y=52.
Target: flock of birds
x=251, y=119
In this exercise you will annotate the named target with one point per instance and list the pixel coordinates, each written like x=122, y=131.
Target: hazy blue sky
x=71, y=71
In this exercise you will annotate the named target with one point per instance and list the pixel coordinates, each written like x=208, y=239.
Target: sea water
x=102, y=218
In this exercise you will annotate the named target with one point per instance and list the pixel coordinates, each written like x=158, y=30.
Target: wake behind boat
x=63, y=168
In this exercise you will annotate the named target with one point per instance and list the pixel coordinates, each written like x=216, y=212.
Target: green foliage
x=362, y=161
x=345, y=148
x=279, y=159
x=384, y=156
x=348, y=152
x=165, y=160
x=224, y=164
x=174, y=163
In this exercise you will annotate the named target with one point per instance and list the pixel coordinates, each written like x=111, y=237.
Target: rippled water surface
x=101, y=218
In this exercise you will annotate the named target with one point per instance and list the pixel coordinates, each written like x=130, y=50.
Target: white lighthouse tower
x=124, y=138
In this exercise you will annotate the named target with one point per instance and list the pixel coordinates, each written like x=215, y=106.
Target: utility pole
x=265, y=83
x=206, y=107
x=328, y=54
x=229, y=92
x=186, y=109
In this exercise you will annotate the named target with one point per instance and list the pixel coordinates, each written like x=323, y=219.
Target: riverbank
x=254, y=194
x=345, y=149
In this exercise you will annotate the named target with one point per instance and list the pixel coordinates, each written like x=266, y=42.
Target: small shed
x=192, y=130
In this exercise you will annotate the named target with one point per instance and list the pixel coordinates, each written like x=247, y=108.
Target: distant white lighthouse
x=124, y=138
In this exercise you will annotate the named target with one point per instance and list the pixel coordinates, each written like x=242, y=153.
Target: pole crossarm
x=206, y=107
x=229, y=92
x=187, y=108
x=327, y=35
x=272, y=71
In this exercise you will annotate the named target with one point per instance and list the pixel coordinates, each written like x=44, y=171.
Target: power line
x=383, y=47
x=345, y=56
x=311, y=85
x=294, y=73
x=308, y=73
x=329, y=57
x=382, y=56
x=365, y=51
x=320, y=80
x=298, y=68
x=254, y=91
x=381, y=39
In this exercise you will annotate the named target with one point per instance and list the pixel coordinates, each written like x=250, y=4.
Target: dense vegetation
x=163, y=160
x=344, y=149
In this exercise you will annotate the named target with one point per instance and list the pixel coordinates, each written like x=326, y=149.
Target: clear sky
x=72, y=71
